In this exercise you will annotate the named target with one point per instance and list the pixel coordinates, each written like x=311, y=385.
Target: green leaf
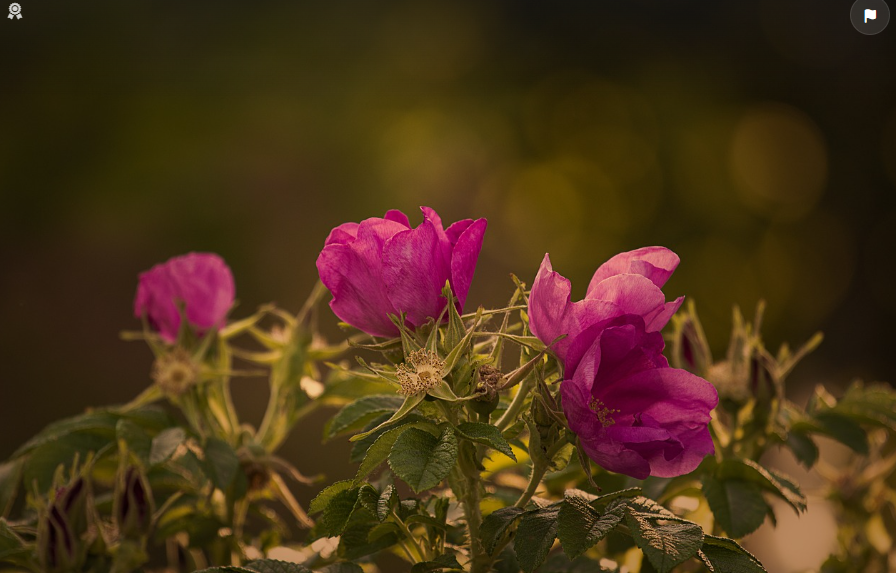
x=580, y=526
x=875, y=405
x=426, y=520
x=421, y=459
x=274, y=566
x=135, y=438
x=666, y=543
x=535, y=536
x=41, y=463
x=10, y=477
x=844, y=430
x=803, y=448
x=738, y=505
x=344, y=567
x=362, y=537
x=444, y=561
x=495, y=524
x=382, y=447
x=751, y=471
x=386, y=502
x=100, y=423
x=165, y=444
x=233, y=569
x=13, y=548
x=321, y=500
x=410, y=402
x=360, y=447
x=360, y=412
x=727, y=556
x=487, y=435
x=221, y=462
x=337, y=513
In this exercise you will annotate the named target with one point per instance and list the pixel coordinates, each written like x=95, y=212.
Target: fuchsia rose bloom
x=202, y=282
x=629, y=283
x=633, y=413
x=384, y=266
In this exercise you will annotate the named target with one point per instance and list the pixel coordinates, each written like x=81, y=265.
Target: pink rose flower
x=201, y=282
x=633, y=414
x=384, y=266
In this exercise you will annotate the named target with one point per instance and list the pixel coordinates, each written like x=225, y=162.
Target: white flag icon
x=870, y=15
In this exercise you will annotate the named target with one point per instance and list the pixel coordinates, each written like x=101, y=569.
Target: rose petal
x=464, y=256
x=592, y=435
x=633, y=294
x=655, y=263
x=344, y=233
x=353, y=273
x=662, y=316
x=415, y=268
x=398, y=217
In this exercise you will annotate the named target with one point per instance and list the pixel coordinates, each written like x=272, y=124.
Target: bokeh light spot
x=778, y=161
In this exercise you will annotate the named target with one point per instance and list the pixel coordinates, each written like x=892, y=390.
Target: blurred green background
x=756, y=139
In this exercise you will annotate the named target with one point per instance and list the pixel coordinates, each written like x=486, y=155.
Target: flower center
x=421, y=371
x=603, y=413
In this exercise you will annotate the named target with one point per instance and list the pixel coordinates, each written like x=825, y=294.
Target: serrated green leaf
x=665, y=543
x=875, y=405
x=355, y=415
x=421, y=459
x=580, y=526
x=426, y=520
x=221, y=462
x=363, y=535
x=440, y=563
x=41, y=463
x=344, y=567
x=321, y=500
x=495, y=524
x=274, y=566
x=338, y=512
x=368, y=497
x=100, y=423
x=136, y=439
x=410, y=402
x=382, y=447
x=360, y=447
x=165, y=444
x=843, y=429
x=487, y=435
x=13, y=548
x=727, y=556
x=386, y=502
x=803, y=447
x=767, y=479
x=535, y=536
x=10, y=478
x=738, y=505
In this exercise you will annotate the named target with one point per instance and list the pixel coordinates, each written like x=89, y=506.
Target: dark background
x=757, y=139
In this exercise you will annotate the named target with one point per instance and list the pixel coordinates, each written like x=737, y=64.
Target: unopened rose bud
x=59, y=537
x=133, y=505
x=690, y=350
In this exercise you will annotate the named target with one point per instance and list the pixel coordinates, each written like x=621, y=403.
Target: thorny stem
x=472, y=513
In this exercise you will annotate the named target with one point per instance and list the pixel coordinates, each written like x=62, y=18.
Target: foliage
x=465, y=460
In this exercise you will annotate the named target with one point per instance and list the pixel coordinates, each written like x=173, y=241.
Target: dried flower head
x=174, y=372
x=421, y=371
